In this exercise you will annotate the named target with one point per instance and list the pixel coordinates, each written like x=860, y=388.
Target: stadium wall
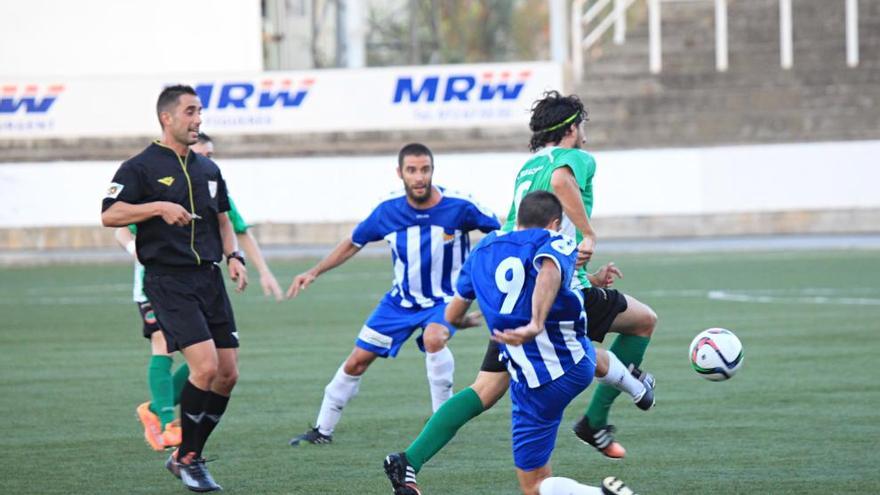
x=127, y=38
x=742, y=190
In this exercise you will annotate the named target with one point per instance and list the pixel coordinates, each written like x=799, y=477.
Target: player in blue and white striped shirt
x=427, y=229
x=522, y=281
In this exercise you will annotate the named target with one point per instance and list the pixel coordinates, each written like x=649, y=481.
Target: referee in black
x=178, y=200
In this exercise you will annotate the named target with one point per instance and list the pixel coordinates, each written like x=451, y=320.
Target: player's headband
x=563, y=123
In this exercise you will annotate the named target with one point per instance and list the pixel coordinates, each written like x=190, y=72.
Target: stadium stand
x=756, y=101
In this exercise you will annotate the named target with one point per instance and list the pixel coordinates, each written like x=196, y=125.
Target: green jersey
x=535, y=176
x=239, y=226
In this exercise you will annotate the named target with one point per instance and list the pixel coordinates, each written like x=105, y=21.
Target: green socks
x=161, y=389
x=179, y=379
x=443, y=425
x=630, y=349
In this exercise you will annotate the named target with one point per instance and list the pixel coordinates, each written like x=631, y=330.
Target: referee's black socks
x=192, y=414
x=215, y=406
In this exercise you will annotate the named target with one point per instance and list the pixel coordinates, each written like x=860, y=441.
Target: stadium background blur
x=753, y=148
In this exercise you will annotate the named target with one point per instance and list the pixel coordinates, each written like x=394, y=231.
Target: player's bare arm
x=125, y=238
x=546, y=287
x=457, y=314
x=568, y=191
x=237, y=271
x=340, y=254
x=122, y=214
x=267, y=280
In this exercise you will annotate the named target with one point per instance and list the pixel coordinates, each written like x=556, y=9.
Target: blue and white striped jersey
x=428, y=247
x=501, y=274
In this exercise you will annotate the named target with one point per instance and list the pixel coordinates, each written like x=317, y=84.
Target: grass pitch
x=801, y=417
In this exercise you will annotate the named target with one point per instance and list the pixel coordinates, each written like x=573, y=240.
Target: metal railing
x=654, y=34
x=616, y=16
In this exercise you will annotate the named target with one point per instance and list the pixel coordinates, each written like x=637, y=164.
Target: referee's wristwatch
x=237, y=255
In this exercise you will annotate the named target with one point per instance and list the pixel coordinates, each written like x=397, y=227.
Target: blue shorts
x=537, y=412
x=390, y=325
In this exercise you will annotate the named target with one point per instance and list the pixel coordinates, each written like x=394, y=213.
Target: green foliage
x=457, y=31
x=799, y=418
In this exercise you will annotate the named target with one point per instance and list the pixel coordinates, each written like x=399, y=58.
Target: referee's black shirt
x=159, y=174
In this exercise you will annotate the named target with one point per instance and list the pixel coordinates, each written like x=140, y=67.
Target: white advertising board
x=398, y=98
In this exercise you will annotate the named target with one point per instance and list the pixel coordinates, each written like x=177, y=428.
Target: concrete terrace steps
x=690, y=103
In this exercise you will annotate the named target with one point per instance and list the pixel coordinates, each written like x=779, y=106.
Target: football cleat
x=172, y=435
x=194, y=474
x=401, y=475
x=312, y=436
x=645, y=400
x=172, y=465
x=152, y=426
x=614, y=486
x=601, y=439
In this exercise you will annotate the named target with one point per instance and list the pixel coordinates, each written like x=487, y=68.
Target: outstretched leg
x=341, y=389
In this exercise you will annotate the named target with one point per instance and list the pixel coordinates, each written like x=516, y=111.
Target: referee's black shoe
x=401, y=475
x=312, y=436
x=614, y=486
x=194, y=474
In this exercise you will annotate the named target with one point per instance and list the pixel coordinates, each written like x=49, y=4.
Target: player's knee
x=355, y=367
x=648, y=322
x=531, y=487
x=434, y=343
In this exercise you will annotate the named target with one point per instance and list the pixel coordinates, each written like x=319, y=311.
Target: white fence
x=615, y=15
x=662, y=182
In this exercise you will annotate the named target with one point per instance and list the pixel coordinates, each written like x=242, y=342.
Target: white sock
x=441, y=367
x=619, y=377
x=566, y=486
x=337, y=393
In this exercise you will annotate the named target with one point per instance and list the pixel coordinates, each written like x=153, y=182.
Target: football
x=716, y=354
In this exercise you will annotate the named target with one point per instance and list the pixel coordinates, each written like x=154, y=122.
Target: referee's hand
x=238, y=273
x=174, y=214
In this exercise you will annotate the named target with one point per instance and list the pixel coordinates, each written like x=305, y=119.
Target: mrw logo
x=167, y=181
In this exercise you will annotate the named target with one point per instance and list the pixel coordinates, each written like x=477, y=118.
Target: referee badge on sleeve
x=212, y=187
x=114, y=190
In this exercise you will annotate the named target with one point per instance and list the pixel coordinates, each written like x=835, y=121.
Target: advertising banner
x=332, y=100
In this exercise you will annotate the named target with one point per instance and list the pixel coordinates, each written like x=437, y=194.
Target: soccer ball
x=716, y=354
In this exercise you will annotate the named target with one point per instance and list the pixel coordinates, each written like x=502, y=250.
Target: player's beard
x=419, y=199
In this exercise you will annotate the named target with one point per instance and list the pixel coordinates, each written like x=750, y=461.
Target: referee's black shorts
x=191, y=306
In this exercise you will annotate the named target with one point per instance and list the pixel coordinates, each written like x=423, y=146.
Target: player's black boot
x=601, y=439
x=401, y=475
x=312, y=436
x=646, y=400
x=614, y=486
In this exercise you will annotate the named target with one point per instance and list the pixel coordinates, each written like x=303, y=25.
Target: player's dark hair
x=414, y=149
x=168, y=98
x=552, y=116
x=537, y=209
x=204, y=138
